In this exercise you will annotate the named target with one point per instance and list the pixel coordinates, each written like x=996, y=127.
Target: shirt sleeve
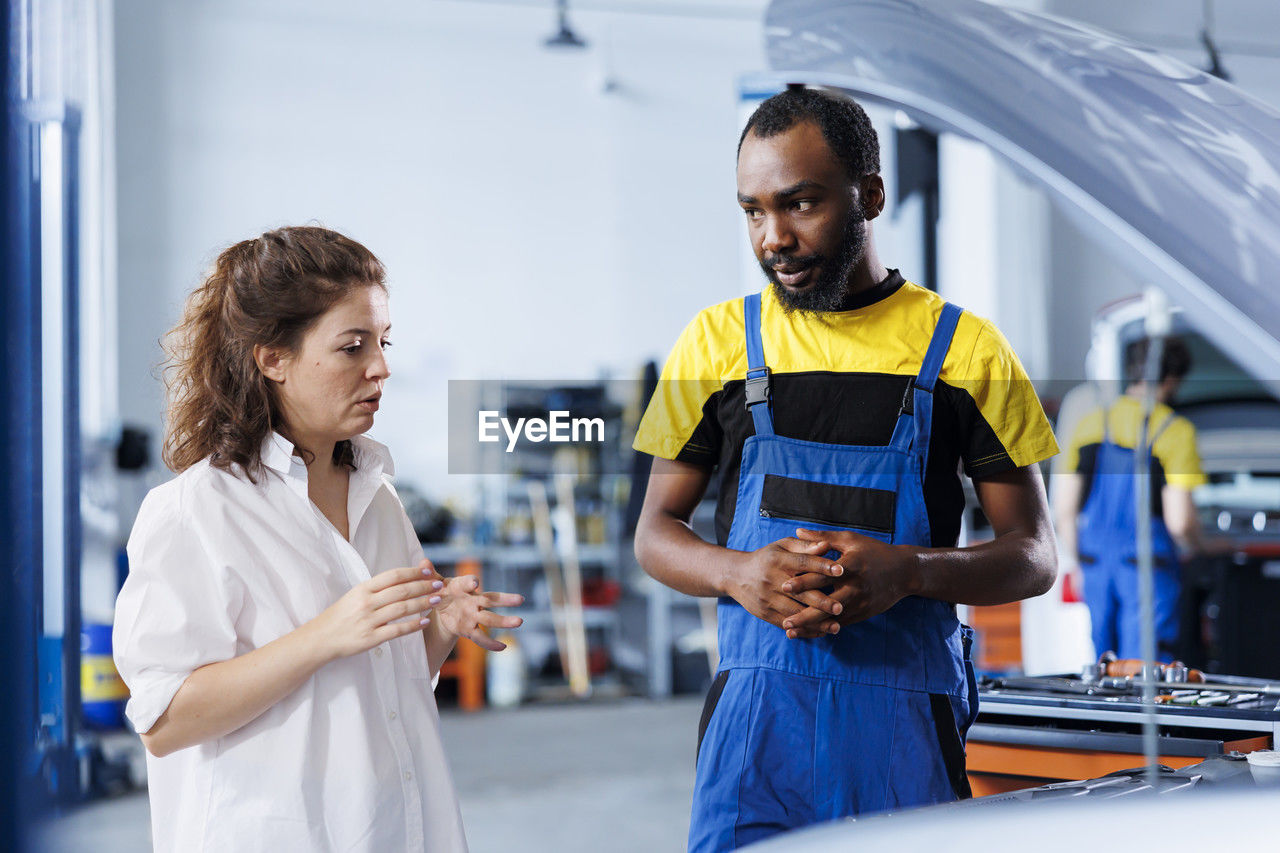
x=1008, y=427
x=176, y=611
x=1087, y=431
x=412, y=545
x=413, y=549
x=1179, y=455
x=678, y=423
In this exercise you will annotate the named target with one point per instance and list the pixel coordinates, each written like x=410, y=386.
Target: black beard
x=828, y=293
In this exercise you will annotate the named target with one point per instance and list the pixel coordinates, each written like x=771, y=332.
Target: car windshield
x=1214, y=377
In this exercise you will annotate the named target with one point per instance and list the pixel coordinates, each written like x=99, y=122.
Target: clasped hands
x=791, y=584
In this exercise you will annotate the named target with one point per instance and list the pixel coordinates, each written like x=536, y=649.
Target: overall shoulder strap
x=1164, y=426
x=1153, y=437
x=757, y=385
x=917, y=399
x=938, y=346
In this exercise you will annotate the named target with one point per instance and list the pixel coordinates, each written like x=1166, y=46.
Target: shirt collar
x=371, y=457
x=277, y=453
x=872, y=295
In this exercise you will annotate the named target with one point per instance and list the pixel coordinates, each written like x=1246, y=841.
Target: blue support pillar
x=20, y=447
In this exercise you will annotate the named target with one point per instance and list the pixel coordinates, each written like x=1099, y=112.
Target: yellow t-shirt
x=839, y=378
x=1175, y=459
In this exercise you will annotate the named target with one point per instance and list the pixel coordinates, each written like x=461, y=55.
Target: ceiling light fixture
x=565, y=37
x=1206, y=38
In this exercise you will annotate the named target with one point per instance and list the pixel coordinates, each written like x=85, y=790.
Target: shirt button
x=391, y=715
x=407, y=776
x=378, y=651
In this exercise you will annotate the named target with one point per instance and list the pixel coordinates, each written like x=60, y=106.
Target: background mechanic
x=1094, y=505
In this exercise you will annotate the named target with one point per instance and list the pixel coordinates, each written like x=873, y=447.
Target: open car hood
x=1175, y=171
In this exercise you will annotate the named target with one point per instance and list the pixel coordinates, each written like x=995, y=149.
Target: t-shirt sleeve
x=1086, y=432
x=1007, y=427
x=176, y=611
x=1180, y=456
x=679, y=423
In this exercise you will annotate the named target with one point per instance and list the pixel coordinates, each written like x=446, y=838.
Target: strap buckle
x=908, y=398
x=757, y=385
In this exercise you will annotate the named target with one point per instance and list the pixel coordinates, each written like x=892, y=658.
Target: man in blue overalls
x=1098, y=485
x=838, y=406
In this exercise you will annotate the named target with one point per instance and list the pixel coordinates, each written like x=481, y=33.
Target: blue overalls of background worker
x=1098, y=508
x=837, y=407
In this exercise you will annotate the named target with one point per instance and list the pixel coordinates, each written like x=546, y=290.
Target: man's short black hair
x=844, y=126
x=1175, y=361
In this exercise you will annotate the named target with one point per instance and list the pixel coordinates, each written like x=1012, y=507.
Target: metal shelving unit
x=587, y=537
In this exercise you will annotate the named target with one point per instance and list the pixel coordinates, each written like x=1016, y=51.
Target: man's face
x=805, y=218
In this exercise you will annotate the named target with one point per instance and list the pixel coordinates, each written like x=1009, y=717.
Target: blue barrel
x=102, y=691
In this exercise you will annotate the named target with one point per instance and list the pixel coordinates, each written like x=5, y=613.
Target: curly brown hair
x=267, y=291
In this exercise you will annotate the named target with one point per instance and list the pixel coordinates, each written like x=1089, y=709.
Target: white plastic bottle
x=505, y=674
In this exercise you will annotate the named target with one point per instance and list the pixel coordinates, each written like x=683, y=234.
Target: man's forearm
x=671, y=553
x=1182, y=520
x=1009, y=568
x=1066, y=504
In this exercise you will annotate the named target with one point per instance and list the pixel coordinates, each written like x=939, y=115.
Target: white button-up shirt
x=352, y=759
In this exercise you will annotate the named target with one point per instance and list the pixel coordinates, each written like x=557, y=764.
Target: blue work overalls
x=872, y=718
x=1108, y=546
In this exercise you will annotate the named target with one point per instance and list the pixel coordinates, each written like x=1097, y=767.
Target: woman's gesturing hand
x=464, y=610
x=390, y=604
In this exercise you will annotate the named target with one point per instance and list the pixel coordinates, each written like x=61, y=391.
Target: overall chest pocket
x=829, y=504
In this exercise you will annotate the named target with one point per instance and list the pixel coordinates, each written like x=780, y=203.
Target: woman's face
x=329, y=389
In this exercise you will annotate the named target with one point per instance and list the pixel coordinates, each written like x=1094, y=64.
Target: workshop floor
x=542, y=778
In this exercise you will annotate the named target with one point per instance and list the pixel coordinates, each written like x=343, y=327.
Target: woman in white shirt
x=279, y=630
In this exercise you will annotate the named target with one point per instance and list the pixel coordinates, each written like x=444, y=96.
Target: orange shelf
x=999, y=768
x=999, y=636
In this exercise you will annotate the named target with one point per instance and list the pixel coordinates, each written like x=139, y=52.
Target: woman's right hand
x=390, y=604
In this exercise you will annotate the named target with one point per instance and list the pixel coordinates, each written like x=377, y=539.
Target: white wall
x=533, y=225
